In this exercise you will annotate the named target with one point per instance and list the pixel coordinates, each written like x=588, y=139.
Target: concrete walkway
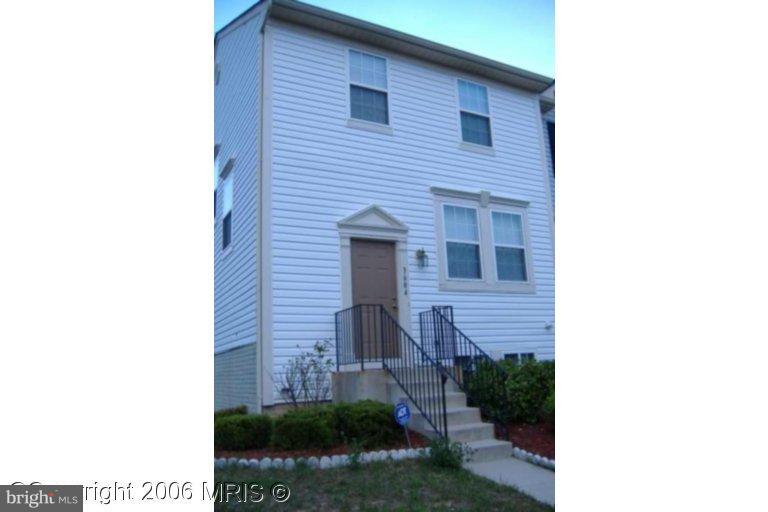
x=537, y=482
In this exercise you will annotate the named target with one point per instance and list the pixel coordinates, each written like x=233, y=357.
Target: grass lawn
x=404, y=485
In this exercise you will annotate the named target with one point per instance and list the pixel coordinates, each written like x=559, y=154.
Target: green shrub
x=303, y=428
x=487, y=387
x=528, y=385
x=445, y=454
x=240, y=409
x=547, y=413
x=369, y=423
x=242, y=432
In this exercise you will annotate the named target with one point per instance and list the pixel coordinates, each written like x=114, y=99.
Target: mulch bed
x=417, y=441
x=537, y=438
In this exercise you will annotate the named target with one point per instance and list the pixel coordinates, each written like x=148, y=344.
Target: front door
x=374, y=281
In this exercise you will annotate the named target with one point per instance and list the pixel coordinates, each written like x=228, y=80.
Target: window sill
x=369, y=126
x=477, y=148
x=485, y=287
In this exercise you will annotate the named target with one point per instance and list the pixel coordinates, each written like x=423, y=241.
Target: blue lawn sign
x=402, y=415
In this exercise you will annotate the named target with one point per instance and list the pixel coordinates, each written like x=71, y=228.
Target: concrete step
x=453, y=399
x=470, y=432
x=454, y=415
x=465, y=433
x=489, y=449
x=425, y=386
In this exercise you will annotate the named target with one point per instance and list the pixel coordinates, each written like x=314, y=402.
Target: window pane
x=226, y=226
x=473, y=97
x=460, y=223
x=226, y=200
x=367, y=69
x=507, y=228
x=475, y=129
x=368, y=104
x=510, y=264
x=463, y=260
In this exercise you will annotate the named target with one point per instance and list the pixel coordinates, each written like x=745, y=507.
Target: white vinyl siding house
x=398, y=157
x=236, y=128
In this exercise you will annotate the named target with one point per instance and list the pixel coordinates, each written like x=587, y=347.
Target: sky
x=517, y=32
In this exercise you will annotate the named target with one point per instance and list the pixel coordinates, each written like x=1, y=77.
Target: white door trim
x=374, y=223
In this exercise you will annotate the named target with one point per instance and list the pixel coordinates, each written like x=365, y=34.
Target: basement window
x=520, y=358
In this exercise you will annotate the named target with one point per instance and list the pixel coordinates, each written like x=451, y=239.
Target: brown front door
x=374, y=281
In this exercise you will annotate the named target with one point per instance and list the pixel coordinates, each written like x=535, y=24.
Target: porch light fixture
x=422, y=259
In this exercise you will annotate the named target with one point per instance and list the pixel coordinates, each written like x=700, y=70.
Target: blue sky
x=517, y=32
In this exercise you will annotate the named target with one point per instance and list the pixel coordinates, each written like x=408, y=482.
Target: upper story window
x=216, y=166
x=368, y=87
x=475, y=114
x=482, y=243
x=226, y=203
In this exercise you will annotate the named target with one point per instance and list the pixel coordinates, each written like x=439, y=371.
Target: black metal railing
x=474, y=371
x=367, y=333
x=359, y=336
x=421, y=377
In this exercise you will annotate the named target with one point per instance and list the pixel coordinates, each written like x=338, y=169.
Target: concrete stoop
x=464, y=423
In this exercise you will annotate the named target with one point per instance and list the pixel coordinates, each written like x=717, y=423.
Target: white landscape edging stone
x=324, y=462
x=533, y=458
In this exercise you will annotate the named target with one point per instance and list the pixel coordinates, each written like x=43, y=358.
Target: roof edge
x=377, y=35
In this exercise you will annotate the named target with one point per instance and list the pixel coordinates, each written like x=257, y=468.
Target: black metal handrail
x=470, y=367
x=421, y=377
x=367, y=333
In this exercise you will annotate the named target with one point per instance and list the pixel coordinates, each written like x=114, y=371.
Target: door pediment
x=372, y=217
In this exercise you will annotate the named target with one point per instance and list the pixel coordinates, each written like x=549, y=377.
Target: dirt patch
x=537, y=438
x=417, y=441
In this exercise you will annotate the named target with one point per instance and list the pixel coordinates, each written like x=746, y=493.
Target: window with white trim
x=475, y=114
x=462, y=242
x=482, y=243
x=368, y=91
x=509, y=246
x=226, y=223
x=216, y=164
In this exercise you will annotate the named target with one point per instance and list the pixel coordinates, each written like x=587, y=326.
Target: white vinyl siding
x=237, y=109
x=474, y=113
x=368, y=99
x=323, y=171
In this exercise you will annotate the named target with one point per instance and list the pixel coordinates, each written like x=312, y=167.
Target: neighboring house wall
x=549, y=117
x=237, y=123
x=324, y=170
